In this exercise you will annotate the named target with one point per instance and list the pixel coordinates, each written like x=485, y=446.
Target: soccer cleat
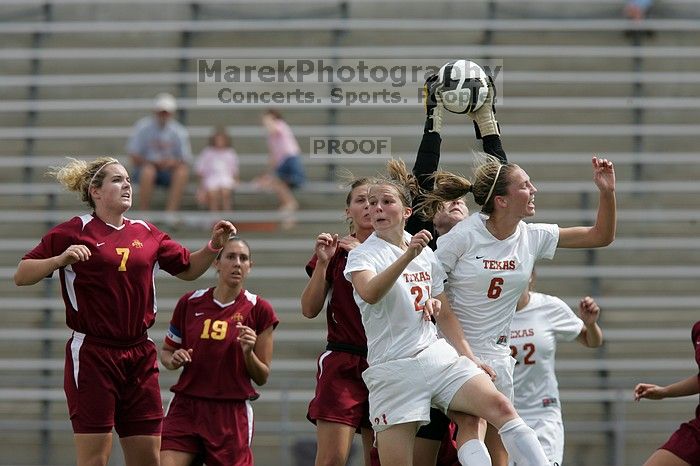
x=484, y=118
x=433, y=104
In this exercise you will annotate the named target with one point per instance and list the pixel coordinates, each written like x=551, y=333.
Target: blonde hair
x=491, y=179
x=80, y=175
x=398, y=176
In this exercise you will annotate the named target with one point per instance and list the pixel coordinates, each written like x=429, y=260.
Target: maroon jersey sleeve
x=329, y=271
x=311, y=265
x=175, y=334
x=264, y=316
x=173, y=257
x=56, y=241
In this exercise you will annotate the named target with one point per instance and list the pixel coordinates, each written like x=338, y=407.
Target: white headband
x=494, y=184
x=98, y=171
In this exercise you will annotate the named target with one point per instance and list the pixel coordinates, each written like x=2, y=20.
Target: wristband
x=213, y=249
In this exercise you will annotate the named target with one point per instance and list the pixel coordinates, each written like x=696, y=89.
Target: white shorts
x=403, y=390
x=503, y=366
x=550, y=433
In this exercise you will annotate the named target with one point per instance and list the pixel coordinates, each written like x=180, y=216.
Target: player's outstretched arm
x=202, y=259
x=603, y=232
x=685, y=387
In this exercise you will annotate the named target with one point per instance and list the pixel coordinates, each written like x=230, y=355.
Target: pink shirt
x=112, y=294
x=217, y=167
x=281, y=142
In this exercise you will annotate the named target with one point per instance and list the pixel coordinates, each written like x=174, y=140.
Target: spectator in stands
x=284, y=169
x=217, y=167
x=683, y=448
x=106, y=264
x=394, y=275
x=540, y=320
x=160, y=151
x=637, y=10
x=484, y=295
x=222, y=336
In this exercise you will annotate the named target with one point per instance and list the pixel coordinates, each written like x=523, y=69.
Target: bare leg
x=663, y=457
x=141, y=450
x=468, y=427
x=147, y=181
x=499, y=455
x=471, y=430
x=284, y=194
x=92, y=449
x=425, y=451
x=333, y=443
x=178, y=182
x=479, y=397
x=395, y=444
x=367, y=442
x=175, y=458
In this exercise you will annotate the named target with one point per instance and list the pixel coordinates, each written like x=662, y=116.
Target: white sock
x=521, y=444
x=474, y=453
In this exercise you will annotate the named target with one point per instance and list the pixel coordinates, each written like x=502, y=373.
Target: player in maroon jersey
x=223, y=338
x=683, y=448
x=107, y=265
x=340, y=406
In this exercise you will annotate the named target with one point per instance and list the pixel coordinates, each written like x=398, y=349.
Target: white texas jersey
x=533, y=340
x=395, y=326
x=486, y=276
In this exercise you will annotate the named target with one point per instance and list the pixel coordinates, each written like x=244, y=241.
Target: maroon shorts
x=685, y=442
x=341, y=395
x=219, y=431
x=109, y=386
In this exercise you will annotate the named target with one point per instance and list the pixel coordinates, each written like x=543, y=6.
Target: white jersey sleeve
x=452, y=246
x=543, y=238
x=565, y=324
x=358, y=260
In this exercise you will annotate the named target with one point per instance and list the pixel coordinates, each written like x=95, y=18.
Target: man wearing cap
x=160, y=151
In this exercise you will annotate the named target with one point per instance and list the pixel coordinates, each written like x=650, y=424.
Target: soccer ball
x=465, y=86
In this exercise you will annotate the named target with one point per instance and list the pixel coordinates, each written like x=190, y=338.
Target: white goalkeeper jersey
x=533, y=340
x=486, y=276
x=395, y=326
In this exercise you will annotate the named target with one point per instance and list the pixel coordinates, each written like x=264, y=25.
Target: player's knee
x=331, y=458
x=502, y=407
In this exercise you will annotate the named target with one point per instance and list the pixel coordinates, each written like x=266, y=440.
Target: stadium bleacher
x=578, y=80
